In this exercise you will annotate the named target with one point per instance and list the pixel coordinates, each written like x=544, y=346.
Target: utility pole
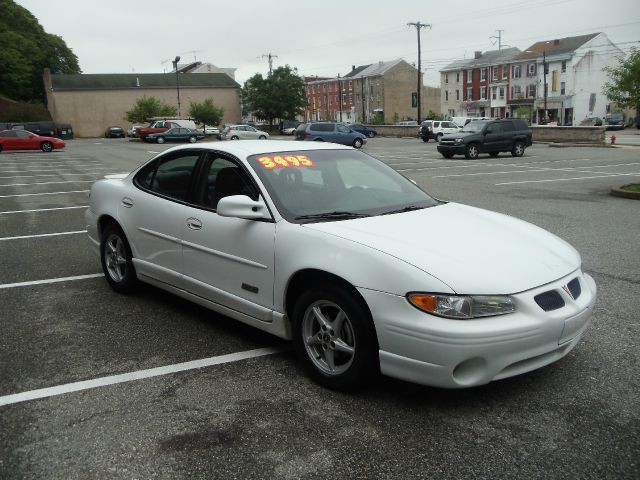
x=270, y=57
x=419, y=26
x=544, y=74
x=175, y=65
x=499, y=38
x=340, y=96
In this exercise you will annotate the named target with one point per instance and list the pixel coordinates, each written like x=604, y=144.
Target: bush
x=11, y=111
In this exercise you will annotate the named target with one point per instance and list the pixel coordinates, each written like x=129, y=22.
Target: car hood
x=459, y=134
x=473, y=251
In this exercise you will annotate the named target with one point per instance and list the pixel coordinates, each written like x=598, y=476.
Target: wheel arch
x=306, y=278
x=105, y=221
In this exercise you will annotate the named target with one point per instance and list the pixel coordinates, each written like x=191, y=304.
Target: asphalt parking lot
x=247, y=410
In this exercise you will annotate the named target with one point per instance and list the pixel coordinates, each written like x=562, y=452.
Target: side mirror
x=241, y=206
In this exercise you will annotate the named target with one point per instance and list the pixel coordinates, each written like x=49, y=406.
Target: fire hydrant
x=613, y=139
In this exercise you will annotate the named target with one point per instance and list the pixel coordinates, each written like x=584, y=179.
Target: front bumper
x=452, y=149
x=430, y=350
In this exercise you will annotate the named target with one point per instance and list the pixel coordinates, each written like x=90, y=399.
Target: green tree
x=147, y=107
x=623, y=86
x=280, y=95
x=206, y=112
x=26, y=51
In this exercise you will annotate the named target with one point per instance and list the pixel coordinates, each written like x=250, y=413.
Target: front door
x=227, y=260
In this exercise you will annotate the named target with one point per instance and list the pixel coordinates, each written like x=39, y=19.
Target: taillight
x=306, y=134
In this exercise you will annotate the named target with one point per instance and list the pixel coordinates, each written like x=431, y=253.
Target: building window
x=469, y=75
x=483, y=93
x=531, y=69
x=494, y=76
x=351, y=99
x=457, y=94
x=501, y=93
x=446, y=78
x=531, y=91
x=458, y=77
x=562, y=88
x=446, y=95
x=350, y=85
x=505, y=70
x=469, y=93
x=452, y=112
x=516, y=71
x=516, y=92
x=493, y=93
x=483, y=74
x=564, y=66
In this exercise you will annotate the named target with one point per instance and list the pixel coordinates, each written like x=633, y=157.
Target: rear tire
x=472, y=151
x=438, y=137
x=371, y=134
x=334, y=337
x=46, y=146
x=425, y=139
x=193, y=139
x=160, y=140
x=262, y=137
x=357, y=143
x=234, y=137
x=116, y=259
x=518, y=149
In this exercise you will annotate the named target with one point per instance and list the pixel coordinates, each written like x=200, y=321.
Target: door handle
x=194, y=223
x=127, y=202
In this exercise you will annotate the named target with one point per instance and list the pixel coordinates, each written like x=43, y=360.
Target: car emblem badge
x=566, y=289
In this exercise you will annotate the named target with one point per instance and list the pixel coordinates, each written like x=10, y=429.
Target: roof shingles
x=118, y=81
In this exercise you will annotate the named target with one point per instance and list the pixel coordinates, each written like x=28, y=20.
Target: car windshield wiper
x=409, y=208
x=337, y=215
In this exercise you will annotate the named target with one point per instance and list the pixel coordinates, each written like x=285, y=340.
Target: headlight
x=458, y=140
x=462, y=307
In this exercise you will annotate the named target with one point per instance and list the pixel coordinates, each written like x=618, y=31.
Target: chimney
x=556, y=42
x=353, y=67
x=477, y=54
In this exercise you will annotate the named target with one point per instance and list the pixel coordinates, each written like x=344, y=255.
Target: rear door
x=493, y=138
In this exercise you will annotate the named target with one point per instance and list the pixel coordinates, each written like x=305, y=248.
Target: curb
x=568, y=145
x=619, y=192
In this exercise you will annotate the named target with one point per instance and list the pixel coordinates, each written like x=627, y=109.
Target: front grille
x=550, y=300
x=574, y=287
x=447, y=142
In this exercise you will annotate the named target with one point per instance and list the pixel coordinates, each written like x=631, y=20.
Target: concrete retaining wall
x=396, y=130
x=589, y=135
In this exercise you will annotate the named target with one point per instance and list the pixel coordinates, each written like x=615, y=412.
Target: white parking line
x=575, y=178
x=22, y=237
x=60, y=174
x=43, y=183
x=46, y=193
x=137, y=375
x=6, y=212
x=48, y=281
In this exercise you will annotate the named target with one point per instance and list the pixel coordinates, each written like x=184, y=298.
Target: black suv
x=490, y=136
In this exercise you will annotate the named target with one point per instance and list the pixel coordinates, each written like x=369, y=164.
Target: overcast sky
x=323, y=38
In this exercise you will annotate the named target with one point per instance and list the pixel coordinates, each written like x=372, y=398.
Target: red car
x=23, y=140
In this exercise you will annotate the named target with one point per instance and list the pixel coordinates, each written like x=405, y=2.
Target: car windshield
x=474, y=126
x=328, y=185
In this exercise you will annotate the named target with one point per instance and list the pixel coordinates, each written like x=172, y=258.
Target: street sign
x=414, y=99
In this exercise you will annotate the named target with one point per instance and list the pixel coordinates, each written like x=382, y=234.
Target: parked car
x=591, y=122
x=491, y=136
x=45, y=128
x=615, y=121
x=363, y=129
x=159, y=126
x=435, y=129
x=177, y=134
x=336, y=251
x=133, y=131
x=243, y=132
x=330, y=132
x=288, y=127
x=114, y=132
x=23, y=140
x=209, y=130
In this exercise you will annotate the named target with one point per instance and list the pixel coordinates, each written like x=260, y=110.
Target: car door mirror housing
x=241, y=206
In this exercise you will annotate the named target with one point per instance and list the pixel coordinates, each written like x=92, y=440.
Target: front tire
x=192, y=139
x=472, y=152
x=357, y=143
x=46, y=146
x=116, y=259
x=518, y=149
x=160, y=140
x=235, y=138
x=262, y=137
x=334, y=337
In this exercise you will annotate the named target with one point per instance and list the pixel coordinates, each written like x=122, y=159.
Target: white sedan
x=328, y=247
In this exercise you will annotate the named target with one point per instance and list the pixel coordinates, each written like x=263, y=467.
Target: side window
x=508, y=127
x=494, y=128
x=342, y=129
x=436, y=124
x=170, y=176
x=225, y=178
x=9, y=134
x=21, y=134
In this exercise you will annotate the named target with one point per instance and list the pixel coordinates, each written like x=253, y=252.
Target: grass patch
x=632, y=187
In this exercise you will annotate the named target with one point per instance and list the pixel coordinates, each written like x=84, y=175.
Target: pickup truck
x=157, y=127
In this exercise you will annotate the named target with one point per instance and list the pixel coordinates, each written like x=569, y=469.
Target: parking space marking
x=59, y=174
x=45, y=193
x=22, y=237
x=575, y=178
x=43, y=183
x=137, y=375
x=47, y=281
x=42, y=170
x=7, y=212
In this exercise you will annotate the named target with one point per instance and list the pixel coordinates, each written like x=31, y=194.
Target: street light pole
x=544, y=74
x=418, y=26
x=175, y=65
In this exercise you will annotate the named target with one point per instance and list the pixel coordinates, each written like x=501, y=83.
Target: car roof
x=246, y=148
